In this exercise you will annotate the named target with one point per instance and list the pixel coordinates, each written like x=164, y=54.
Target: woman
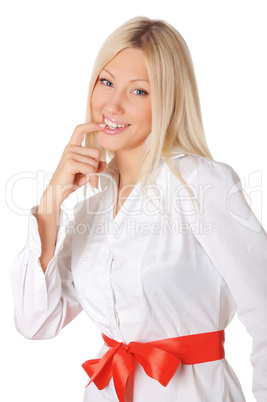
x=167, y=250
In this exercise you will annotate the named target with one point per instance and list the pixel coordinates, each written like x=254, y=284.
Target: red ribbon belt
x=160, y=359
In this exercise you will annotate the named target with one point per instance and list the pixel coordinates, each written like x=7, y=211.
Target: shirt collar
x=113, y=170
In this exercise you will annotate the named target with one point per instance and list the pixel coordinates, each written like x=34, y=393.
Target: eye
x=140, y=92
x=106, y=82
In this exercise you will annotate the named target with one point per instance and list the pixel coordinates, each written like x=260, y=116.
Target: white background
x=47, y=51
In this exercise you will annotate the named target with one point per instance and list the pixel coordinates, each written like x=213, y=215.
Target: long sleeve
x=237, y=245
x=44, y=303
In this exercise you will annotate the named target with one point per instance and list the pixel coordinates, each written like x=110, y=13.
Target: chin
x=108, y=143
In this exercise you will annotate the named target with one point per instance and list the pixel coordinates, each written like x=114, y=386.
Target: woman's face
x=121, y=97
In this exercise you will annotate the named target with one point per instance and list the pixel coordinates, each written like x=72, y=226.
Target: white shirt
x=148, y=275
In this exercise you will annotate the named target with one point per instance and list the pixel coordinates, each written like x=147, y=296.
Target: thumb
x=101, y=166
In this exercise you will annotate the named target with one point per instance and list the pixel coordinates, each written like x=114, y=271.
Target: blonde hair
x=176, y=116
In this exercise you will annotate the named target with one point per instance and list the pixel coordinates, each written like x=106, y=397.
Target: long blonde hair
x=176, y=116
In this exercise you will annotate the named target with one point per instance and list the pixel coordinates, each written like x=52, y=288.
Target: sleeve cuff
x=33, y=237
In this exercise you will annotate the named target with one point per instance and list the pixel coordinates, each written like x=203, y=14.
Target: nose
x=115, y=104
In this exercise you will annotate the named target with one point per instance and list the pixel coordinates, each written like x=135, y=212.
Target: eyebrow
x=136, y=79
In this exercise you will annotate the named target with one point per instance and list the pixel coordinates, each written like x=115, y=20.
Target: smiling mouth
x=113, y=126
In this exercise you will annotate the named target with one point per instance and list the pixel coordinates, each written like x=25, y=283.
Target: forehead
x=129, y=63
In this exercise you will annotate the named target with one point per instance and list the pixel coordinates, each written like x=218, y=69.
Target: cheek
x=148, y=117
x=144, y=113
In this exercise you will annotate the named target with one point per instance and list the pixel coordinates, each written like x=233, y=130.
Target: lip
x=113, y=120
x=115, y=131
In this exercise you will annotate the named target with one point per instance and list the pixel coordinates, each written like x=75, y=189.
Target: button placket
x=115, y=312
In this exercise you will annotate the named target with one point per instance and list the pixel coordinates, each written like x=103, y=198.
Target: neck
x=128, y=163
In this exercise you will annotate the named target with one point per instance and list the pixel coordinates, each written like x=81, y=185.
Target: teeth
x=112, y=125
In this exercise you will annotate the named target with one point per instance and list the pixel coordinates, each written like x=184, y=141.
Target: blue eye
x=106, y=82
x=140, y=92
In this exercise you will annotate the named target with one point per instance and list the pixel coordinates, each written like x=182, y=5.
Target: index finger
x=80, y=131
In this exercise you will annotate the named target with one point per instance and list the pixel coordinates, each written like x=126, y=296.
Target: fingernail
x=102, y=125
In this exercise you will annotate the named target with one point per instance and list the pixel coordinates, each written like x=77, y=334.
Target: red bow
x=159, y=359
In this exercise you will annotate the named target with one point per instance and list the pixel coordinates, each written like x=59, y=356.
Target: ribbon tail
x=90, y=366
x=100, y=370
x=122, y=366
